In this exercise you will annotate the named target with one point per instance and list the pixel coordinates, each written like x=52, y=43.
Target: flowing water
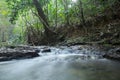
x=62, y=64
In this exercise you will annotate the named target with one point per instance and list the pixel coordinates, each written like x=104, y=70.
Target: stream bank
x=26, y=52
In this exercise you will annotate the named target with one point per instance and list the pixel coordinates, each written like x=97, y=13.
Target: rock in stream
x=113, y=54
x=19, y=52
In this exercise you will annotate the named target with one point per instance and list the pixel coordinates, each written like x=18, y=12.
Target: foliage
x=24, y=14
x=65, y=8
x=5, y=26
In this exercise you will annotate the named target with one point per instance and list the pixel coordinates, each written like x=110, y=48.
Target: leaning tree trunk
x=50, y=36
x=42, y=18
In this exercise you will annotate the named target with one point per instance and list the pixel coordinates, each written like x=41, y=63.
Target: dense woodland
x=59, y=39
x=44, y=22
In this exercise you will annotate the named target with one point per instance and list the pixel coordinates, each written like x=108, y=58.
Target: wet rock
x=113, y=54
x=37, y=50
x=16, y=53
x=76, y=47
x=46, y=50
x=4, y=59
x=118, y=51
x=12, y=47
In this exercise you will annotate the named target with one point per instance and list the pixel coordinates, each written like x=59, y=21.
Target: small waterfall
x=62, y=63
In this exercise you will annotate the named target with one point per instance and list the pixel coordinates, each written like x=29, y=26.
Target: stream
x=62, y=63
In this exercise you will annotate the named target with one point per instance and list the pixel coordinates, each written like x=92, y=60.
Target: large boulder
x=17, y=53
x=113, y=54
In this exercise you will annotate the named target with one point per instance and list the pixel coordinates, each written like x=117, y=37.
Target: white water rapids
x=62, y=64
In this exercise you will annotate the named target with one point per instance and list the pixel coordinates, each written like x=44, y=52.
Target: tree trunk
x=65, y=4
x=56, y=14
x=82, y=13
x=3, y=37
x=42, y=17
x=50, y=36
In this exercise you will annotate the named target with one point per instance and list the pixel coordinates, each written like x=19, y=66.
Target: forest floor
x=101, y=29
